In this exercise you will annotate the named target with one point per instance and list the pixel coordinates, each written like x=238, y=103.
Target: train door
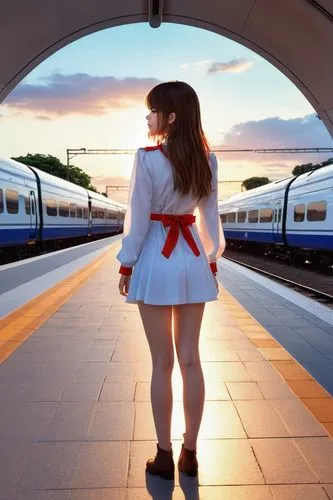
x=33, y=216
x=89, y=217
x=277, y=217
x=118, y=219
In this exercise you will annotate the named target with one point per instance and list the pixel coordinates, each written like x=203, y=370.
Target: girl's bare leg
x=187, y=324
x=157, y=322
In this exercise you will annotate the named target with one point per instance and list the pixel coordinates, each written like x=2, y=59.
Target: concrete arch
x=295, y=36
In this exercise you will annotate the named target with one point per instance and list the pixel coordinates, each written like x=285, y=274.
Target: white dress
x=182, y=278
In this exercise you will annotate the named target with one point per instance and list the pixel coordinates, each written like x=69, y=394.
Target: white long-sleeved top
x=152, y=191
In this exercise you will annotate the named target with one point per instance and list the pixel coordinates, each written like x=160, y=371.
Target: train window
x=79, y=212
x=1, y=201
x=72, y=210
x=299, y=212
x=63, y=209
x=27, y=205
x=51, y=208
x=241, y=216
x=85, y=213
x=231, y=216
x=12, y=201
x=266, y=215
x=316, y=211
x=97, y=213
x=253, y=215
x=223, y=217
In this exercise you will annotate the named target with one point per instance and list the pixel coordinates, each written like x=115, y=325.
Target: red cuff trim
x=126, y=271
x=213, y=267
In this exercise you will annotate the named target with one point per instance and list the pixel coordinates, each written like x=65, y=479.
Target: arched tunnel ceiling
x=294, y=35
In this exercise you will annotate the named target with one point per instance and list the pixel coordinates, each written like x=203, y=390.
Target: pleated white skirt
x=183, y=278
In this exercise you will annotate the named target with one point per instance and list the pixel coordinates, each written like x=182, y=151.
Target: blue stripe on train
x=20, y=236
x=315, y=241
x=102, y=228
x=303, y=240
x=260, y=237
x=15, y=236
x=55, y=232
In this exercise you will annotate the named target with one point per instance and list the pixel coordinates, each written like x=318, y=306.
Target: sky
x=90, y=94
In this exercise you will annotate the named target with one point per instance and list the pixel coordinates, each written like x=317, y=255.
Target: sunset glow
x=91, y=94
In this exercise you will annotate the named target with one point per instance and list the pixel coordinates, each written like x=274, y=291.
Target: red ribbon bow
x=175, y=222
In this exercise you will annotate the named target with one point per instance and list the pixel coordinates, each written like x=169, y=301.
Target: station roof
x=295, y=36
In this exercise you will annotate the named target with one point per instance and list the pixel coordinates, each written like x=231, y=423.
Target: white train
x=41, y=210
x=293, y=216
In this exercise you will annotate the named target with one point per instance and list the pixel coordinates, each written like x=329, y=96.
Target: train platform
x=75, y=414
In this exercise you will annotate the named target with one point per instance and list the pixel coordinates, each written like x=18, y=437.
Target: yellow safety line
x=318, y=401
x=20, y=324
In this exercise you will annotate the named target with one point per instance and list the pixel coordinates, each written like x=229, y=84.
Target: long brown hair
x=187, y=146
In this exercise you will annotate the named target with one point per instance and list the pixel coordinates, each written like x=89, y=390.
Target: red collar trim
x=153, y=148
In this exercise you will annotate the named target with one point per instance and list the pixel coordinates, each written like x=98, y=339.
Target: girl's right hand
x=124, y=284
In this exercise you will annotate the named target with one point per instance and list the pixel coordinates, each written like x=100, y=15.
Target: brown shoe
x=162, y=465
x=188, y=463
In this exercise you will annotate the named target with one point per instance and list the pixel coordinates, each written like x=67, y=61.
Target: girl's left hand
x=124, y=284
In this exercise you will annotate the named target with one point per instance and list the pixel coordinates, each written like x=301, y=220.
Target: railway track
x=313, y=293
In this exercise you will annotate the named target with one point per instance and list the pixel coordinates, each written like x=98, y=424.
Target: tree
x=329, y=161
x=307, y=167
x=253, y=182
x=53, y=166
x=301, y=169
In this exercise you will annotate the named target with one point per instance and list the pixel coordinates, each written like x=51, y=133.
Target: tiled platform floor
x=306, y=336
x=76, y=422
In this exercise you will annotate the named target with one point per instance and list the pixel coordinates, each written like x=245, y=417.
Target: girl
x=174, y=259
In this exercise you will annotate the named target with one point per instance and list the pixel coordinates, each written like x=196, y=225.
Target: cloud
x=307, y=131
x=202, y=65
x=79, y=93
x=233, y=66
x=41, y=117
x=112, y=180
x=210, y=67
x=301, y=132
x=277, y=170
x=269, y=133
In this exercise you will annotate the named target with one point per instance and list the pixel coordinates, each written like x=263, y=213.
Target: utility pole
x=70, y=153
